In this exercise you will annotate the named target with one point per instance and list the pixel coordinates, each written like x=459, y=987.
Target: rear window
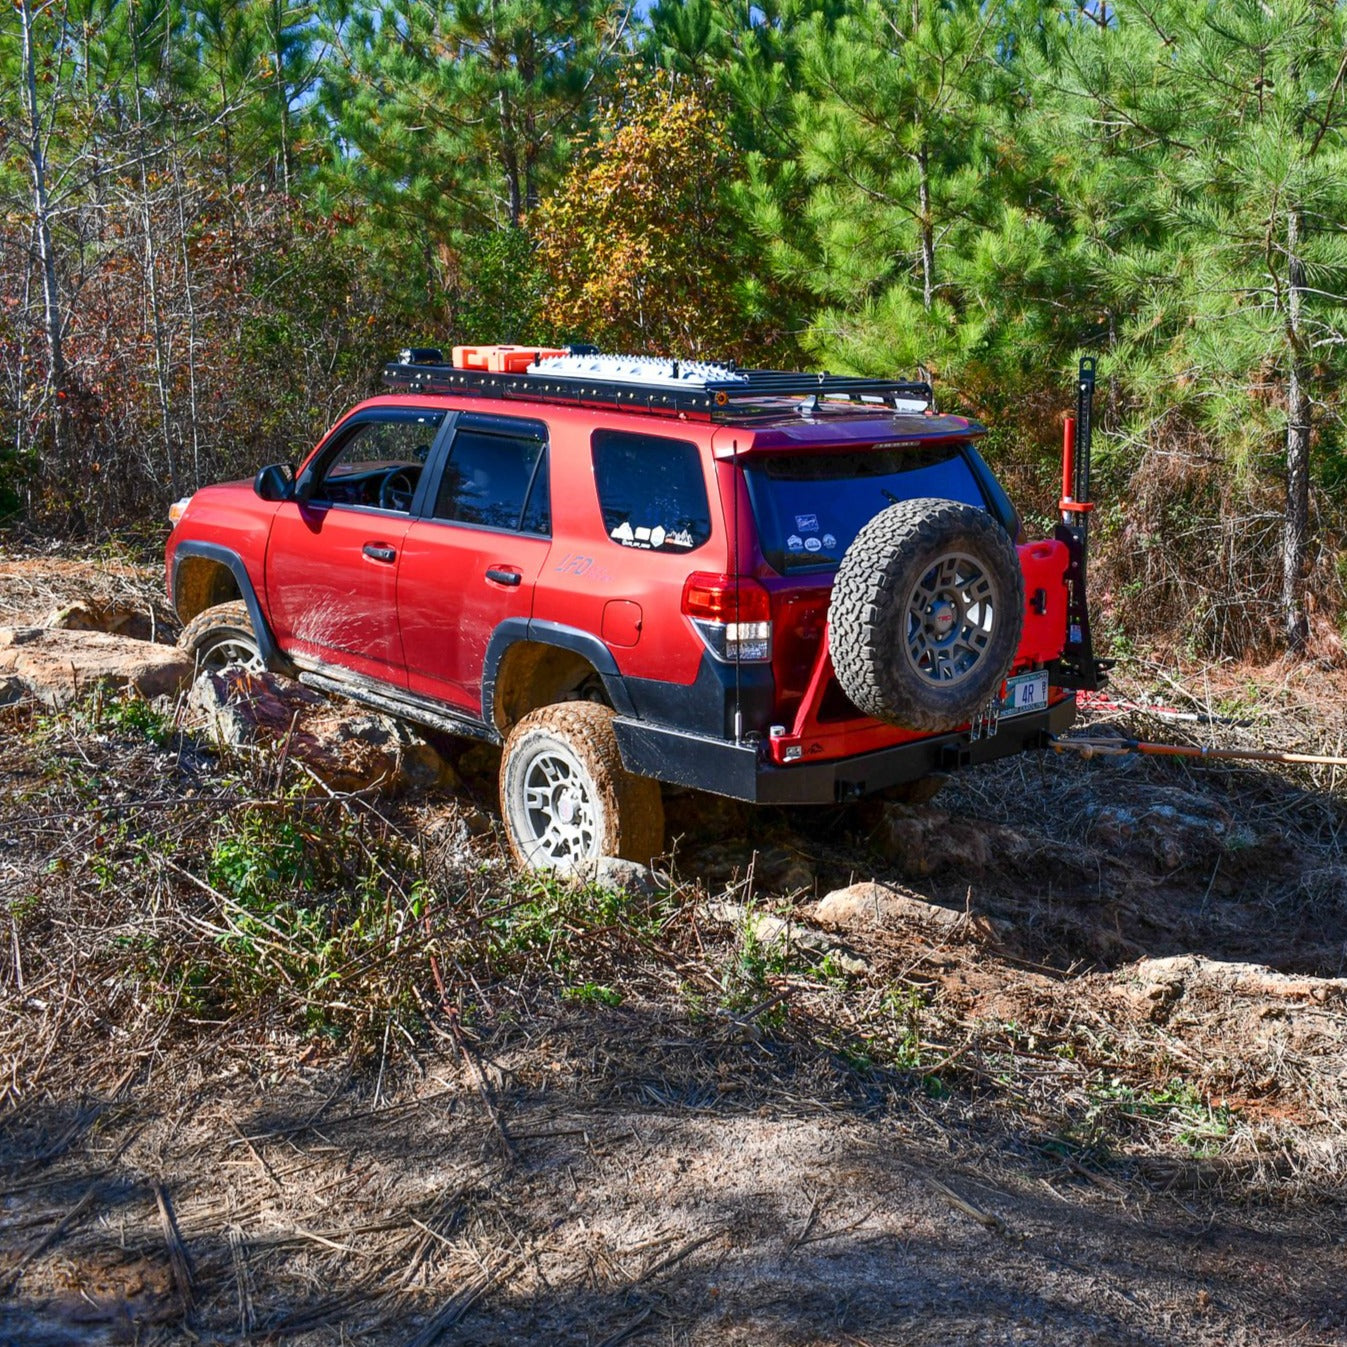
x=809, y=507
x=651, y=491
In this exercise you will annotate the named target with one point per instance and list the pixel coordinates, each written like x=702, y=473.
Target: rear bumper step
x=742, y=772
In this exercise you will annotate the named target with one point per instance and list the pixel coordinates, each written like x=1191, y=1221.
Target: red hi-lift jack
x=1078, y=666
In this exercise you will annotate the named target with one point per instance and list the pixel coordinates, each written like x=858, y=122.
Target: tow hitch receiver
x=1077, y=666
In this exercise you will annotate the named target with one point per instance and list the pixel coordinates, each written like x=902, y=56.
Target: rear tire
x=565, y=796
x=221, y=638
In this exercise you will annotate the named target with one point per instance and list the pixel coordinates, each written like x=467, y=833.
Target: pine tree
x=461, y=111
x=894, y=181
x=1226, y=128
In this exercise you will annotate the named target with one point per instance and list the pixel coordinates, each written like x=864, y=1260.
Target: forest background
x=218, y=218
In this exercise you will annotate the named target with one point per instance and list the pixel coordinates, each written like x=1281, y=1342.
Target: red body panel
x=329, y=601
x=231, y=516
x=587, y=570
x=448, y=606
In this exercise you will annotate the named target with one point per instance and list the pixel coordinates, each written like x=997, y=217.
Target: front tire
x=565, y=796
x=222, y=638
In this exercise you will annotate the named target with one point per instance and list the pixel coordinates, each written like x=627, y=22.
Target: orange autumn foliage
x=635, y=245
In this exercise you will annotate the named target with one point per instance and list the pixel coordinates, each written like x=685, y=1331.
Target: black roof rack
x=739, y=394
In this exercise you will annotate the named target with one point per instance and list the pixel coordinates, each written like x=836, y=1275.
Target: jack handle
x=1075, y=499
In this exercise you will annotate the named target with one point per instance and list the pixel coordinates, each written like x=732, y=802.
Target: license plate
x=1024, y=693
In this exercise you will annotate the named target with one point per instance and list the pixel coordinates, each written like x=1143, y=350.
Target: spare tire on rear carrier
x=927, y=610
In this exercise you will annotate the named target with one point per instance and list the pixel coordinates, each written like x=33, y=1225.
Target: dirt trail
x=1084, y=1082
x=769, y=1218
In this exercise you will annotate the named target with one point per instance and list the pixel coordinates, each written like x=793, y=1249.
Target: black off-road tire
x=871, y=622
x=222, y=636
x=625, y=812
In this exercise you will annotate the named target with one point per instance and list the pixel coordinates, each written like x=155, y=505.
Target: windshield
x=809, y=507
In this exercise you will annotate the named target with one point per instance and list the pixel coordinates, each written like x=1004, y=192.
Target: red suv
x=781, y=587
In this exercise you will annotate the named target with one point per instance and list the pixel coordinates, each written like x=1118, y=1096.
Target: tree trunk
x=192, y=329
x=1296, y=526
x=282, y=100
x=927, y=228
x=152, y=265
x=37, y=159
x=510, y=160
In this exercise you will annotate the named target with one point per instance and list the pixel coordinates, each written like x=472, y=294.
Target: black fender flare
x=516, y=629
x=226, y=557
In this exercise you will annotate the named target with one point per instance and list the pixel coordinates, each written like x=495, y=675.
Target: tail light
x=732, y=615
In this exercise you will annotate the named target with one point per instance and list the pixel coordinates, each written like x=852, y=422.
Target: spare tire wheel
x=927, y=609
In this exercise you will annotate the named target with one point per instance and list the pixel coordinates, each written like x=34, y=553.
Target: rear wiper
x=889, y=496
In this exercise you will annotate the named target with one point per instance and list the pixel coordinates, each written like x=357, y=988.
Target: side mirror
x=275, y=482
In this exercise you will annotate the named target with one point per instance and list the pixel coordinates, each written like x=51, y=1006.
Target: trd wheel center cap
x=566, y=806
x=942, y=617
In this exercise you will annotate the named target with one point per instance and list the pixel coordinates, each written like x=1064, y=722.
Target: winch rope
x=1105, y=703
x=1113, y=746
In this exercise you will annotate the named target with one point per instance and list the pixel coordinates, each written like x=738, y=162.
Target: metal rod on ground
x=1090, y=748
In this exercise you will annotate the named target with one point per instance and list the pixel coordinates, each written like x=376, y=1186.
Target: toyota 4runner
x=786, y=588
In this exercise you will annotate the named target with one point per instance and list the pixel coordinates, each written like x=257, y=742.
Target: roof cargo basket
x=720, y=392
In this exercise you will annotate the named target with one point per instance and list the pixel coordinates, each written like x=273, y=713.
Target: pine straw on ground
x=214, y=1119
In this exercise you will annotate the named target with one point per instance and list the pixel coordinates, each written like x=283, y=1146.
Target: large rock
x=922, y=841
x=116, y=618
x=622, y=876
x=1168, y=827
x=773, y=932
x=346, y=748
x=57, y=667
x=880, y=905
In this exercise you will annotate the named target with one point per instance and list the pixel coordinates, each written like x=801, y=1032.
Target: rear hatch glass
x=809, y=507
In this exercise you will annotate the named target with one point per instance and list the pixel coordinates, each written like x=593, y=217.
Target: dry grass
x=39, y=576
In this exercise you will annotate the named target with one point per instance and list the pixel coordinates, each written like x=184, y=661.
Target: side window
x=497, y=479
x=652, y=491
x=379, y=463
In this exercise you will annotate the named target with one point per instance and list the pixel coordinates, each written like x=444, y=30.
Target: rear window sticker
x=813, y=545
x=795, y=543
x=622, y=533
x=807, y=523
x=657, y=536
x=829, y=541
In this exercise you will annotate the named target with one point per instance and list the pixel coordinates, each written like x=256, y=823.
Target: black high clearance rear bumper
x=743, y=771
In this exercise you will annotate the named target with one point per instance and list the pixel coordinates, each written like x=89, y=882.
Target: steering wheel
x=397, y=489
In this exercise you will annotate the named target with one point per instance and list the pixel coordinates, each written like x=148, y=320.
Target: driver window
x=379, y=463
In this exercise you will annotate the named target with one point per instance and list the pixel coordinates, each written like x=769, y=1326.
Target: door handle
x=503, y=575
x=379, y=552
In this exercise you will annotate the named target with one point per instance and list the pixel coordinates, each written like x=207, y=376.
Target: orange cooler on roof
x=503, y=359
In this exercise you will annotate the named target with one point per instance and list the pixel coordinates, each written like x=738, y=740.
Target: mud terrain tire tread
x=223, y=619
x=867, y=619
x=631, y=807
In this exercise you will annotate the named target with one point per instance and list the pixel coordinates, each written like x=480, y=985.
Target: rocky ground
x=290, y=1054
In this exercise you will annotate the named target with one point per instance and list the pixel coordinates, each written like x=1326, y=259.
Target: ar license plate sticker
x=1026, y=692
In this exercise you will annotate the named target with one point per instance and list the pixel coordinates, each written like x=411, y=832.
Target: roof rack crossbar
x=719, y=400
